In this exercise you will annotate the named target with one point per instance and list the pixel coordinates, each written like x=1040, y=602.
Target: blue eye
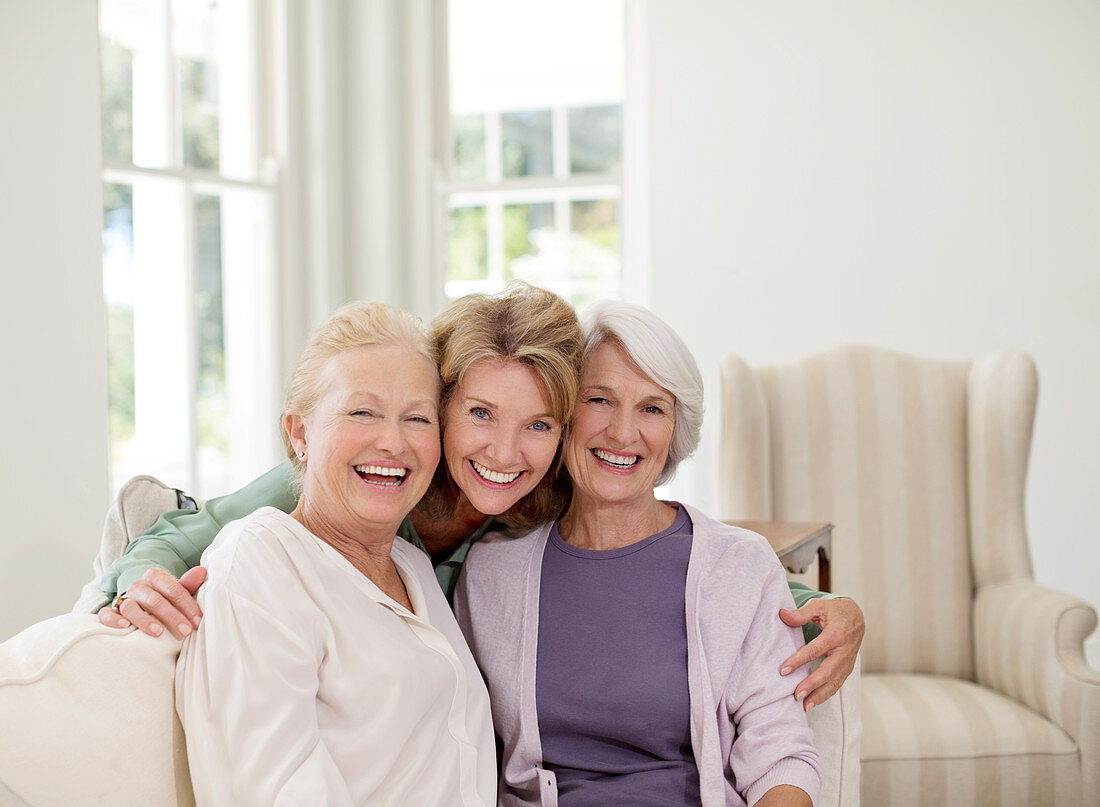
x=420, y=419
x=541, y=426
x=480, y=413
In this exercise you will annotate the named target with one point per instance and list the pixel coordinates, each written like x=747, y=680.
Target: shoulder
x=506, y=548
x=724, y=544
x=253, y=546
x=498, y=566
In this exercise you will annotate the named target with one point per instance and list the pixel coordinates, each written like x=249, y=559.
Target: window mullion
x=494, y=233
x=494, y=159
x=171, y=89
x=190, y=336
x=559, y=141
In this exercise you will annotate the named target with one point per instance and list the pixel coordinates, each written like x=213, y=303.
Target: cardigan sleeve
x=772, y=743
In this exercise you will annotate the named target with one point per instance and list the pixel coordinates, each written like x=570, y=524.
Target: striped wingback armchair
x=975, y=686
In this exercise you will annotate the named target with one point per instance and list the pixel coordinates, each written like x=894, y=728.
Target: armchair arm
x=1029, y=645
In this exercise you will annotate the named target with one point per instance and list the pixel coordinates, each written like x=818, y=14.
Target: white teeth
x=383, y=470
x=494, y=476
x=618, y=460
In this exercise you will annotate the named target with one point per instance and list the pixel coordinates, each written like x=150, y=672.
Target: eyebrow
x=473, y=399
x=362, y=398
x=609, y=391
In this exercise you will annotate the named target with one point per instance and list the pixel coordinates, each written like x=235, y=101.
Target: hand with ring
x=157, y=601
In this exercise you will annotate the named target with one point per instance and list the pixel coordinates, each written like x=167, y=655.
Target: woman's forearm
x=785, y=796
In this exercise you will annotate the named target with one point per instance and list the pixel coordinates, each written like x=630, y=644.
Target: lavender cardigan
x=747, y=731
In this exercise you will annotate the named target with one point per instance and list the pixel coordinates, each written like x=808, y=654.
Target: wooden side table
x=797, y=544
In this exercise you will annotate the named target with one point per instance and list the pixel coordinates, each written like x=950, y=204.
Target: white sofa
x=88, y=712
x=89, y=717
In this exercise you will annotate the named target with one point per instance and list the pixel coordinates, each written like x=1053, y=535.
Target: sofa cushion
x=89, y=716
x=945, y=741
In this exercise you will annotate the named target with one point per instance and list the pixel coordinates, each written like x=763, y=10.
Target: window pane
x=467, y=244
x=118, y=280
x=117, y=87
x=199, y=105
x=469, y=147
x=526, y=230
x=526, y=149
x=211, y=402
x=134, y=77
x=196, y=31
x=597, y=222
x=595, y=135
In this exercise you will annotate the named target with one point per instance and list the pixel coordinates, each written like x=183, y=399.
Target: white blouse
x=306, y=685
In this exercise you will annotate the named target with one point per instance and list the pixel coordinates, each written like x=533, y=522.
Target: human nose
x=390, y=437
x=504, y=449
x=621, y=427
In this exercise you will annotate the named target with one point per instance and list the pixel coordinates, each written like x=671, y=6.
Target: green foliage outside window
x=467, y=245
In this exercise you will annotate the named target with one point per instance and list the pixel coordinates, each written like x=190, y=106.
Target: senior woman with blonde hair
x=328, y=668
x=631, y=648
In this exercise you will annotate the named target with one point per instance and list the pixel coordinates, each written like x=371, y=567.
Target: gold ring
x=116, y=603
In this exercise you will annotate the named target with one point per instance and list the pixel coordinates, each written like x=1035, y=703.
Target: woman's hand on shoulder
x=842, y=627
x=158, y=601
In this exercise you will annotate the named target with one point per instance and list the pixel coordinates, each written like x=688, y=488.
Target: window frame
x=249, y=334
x=560, y=188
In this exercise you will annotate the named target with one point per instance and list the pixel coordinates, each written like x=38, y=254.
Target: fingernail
x=124, y=623
x=183, y=628
x=156, y=630
x=799, y=696
x=810, y=705
x=195, y=620
x=785, y=671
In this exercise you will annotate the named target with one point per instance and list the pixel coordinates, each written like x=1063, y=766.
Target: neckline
x=681, y=521
x=368, y=586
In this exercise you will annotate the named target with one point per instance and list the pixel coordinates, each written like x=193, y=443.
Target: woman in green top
x=509, y=365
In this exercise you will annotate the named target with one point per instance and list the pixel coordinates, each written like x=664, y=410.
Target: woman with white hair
x=648, y=668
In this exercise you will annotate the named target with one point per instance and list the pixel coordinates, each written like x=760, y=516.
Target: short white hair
x=662, y=355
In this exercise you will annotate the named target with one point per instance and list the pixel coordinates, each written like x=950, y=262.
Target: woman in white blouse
x=328, y=668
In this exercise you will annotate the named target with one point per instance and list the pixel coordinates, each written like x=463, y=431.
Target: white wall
x=921, y=176
x=53, y=480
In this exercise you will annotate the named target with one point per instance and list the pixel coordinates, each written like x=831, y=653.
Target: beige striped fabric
x=931, y=741
x=1030, y=646
x=1001, y=392
x=975, y=689
x=875, y=442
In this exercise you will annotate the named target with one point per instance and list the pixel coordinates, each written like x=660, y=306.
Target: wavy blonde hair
x=526, y=324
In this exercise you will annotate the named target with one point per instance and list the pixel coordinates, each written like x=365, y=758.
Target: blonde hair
x=526, y=324
x=354, y=325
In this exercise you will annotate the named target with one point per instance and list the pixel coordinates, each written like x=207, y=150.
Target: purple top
x=612, y=671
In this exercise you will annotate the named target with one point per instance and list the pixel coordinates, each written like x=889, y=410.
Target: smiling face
x=500, y=438
x=372, y=441
x=621, y=432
